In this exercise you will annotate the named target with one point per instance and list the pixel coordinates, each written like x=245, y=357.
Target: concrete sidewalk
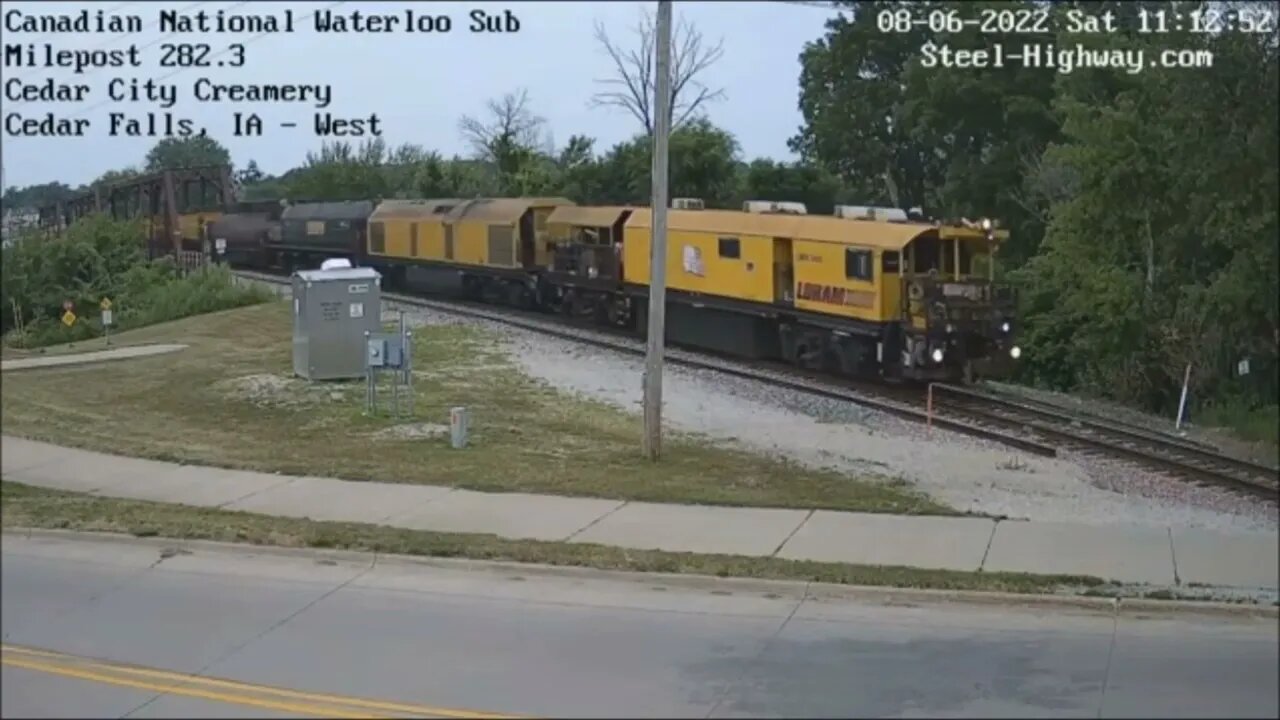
x=1157, y=556
x=124, y=353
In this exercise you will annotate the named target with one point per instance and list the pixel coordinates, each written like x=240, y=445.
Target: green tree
x=1162, y=250
x=113, y=177
x=457, y=177
x=903, y=131
x=794, y=182
x=250, y=175
x=703, y=164
x=90, y=261
x=510, y=134
x=987, y=127
x=340, y=171
x=35, y=196
x=173, y=153
x=853, y=100
x=581, y=173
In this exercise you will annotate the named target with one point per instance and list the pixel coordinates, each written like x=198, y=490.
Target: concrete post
x=459, y=419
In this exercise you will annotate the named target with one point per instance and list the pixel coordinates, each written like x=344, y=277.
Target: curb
x=1134, y=608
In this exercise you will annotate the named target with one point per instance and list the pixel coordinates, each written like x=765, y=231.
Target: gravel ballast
x=963, y=472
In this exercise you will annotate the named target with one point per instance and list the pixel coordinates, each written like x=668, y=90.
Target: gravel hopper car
x=493, y=248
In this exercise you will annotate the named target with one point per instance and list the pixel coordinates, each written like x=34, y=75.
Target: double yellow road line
x=293, y=702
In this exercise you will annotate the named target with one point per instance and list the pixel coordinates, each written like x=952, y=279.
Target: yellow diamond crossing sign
x=105, y=304
x=68, y=318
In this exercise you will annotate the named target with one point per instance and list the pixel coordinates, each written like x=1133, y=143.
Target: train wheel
x=811, y=350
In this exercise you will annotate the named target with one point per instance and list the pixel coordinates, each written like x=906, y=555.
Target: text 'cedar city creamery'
x=166, y=95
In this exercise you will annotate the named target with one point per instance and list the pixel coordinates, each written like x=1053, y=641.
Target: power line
x=814, y=4
x=221, y=52
x=118, y=8
x=145, y=28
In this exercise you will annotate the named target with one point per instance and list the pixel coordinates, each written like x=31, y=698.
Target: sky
x=418, y=84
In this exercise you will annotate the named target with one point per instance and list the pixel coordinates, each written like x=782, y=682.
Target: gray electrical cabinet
x=332, y=310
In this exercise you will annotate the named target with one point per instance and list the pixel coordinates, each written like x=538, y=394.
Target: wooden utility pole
x=658, y=240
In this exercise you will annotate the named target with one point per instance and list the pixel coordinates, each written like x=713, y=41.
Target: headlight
x=1004, y=327
x=950, y=328
x=1015, y=352
x=986, y=223
x=937, y=355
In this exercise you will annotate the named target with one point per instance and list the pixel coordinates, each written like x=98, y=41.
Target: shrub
x=99, y=257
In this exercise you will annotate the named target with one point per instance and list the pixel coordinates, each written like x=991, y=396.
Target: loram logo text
x=831, y=295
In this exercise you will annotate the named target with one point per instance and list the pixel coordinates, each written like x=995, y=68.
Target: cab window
x=730, y=248
x=857, y=264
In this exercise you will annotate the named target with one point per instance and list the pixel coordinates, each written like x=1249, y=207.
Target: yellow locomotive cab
x=853, y=292
x=955, y=315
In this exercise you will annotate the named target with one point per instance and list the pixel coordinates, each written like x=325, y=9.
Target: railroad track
x=1088, y=415
x=1171, y=454
x=784, y=376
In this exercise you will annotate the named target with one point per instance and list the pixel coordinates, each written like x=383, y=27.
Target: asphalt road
x=98, y=628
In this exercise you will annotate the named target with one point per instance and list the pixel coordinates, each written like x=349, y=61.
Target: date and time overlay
x=1020, y=30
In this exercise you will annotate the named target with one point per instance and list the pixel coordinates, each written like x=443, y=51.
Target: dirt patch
x=412, y=431
x=283, y=391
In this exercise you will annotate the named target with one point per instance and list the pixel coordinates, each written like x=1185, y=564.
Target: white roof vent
x=688, y=204
x=869, y=212
x=774, y=206
x=335, y=264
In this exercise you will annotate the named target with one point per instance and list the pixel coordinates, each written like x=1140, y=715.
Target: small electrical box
x=385, y=351
x=394, y=353
x=377, y=352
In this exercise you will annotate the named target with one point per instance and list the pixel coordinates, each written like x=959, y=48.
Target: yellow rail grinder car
x=852, y=293
x=487, y=248
x=501, y=232
x=410, y=229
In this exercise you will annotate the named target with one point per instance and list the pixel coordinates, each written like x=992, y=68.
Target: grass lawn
x=229, y=400
x=30, y=507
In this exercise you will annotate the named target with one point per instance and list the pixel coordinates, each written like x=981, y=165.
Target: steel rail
x=1147, y=448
